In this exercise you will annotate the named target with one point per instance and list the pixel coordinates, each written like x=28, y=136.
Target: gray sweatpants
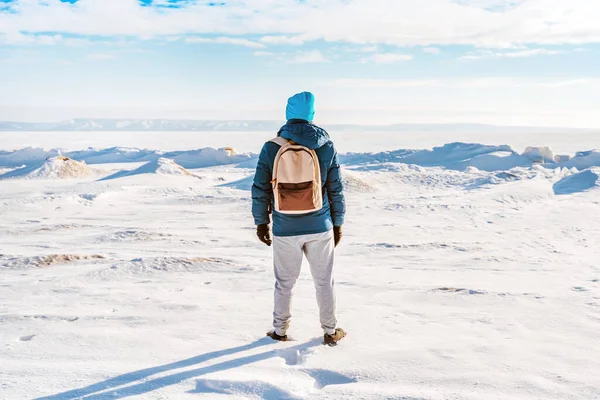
x=288, y=252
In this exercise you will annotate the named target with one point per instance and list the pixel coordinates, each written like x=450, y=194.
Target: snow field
x=466, y=273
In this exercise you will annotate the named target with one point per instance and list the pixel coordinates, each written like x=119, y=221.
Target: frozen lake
x=374, y=141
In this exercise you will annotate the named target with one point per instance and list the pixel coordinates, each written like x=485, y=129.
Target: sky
x=504, y=62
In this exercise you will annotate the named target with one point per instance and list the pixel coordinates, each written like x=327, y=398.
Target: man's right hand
x=264, y=234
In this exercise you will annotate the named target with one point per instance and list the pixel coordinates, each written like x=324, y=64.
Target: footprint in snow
x=324, y=377
x=26, y=338
x=579, y=289
x=252, y=389
x=295, y=357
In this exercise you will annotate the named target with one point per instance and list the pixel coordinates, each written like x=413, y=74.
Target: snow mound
x=115, y=155
x=58, y=167
x=354, y=183
x=201, y=158
x=133, y=235
x=208, y=157
x=242, y=184
x=455, y=156
x=162, y=166
x=44, y=261
x=579, y=182
x=26, y=156
x=540, y=154
x=495, y=178
x=584, y=160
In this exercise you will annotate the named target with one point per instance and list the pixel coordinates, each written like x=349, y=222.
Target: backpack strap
x=281, y=142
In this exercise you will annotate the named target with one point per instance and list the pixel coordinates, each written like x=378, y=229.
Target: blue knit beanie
x=301, y=106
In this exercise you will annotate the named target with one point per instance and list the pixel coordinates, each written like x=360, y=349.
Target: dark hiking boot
x=331, y=340
x=277, y=337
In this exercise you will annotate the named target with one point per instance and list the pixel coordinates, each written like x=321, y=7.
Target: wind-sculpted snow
x=54, y=168
x=452, y=156
x=201, y=158
x=459, y=156
x=162, y=166
x=456, y=156
x=580, y=182
x=584, y=159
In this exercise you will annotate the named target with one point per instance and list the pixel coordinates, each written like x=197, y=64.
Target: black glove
x=264, y=234
x=337, y=234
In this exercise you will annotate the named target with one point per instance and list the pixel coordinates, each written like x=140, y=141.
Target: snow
x=465, y=272
x=579, y=182
x=584, y=159
x=162, y=166
x=58, y=167
x=540, y=154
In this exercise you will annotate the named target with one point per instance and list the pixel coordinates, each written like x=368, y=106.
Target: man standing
x=298, y=180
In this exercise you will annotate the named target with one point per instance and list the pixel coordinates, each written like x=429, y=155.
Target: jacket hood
x=305, y=134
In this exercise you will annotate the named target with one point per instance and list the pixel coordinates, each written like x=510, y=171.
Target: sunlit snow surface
x=466, y=271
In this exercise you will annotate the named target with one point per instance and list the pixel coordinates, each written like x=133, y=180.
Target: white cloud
x=484, y=23
x=510, y=54
x=226, y=40
x=383, y=83
x=100, y=57
x=432, y=50
x=387, y=58
x=263, y=53
x=19, y=39
x=78, y=42
x=564, y=83
x=462, y=83
x=307, y=57
x=369, y=49
x=285, y=40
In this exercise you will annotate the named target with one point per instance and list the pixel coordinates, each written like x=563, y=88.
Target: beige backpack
x=296, y=179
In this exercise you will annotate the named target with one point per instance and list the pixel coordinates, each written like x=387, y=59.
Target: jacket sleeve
x=262, y=191
x=335, y=191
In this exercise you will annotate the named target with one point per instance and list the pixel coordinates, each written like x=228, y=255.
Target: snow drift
x=584, y=160
x=13, y=262
x=579, y=182
x=456, y=156
x=162, y=166
x=26, y=156
x=54, y=168
x=200, y=158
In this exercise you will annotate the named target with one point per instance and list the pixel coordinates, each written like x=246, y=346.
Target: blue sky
x=519, y=62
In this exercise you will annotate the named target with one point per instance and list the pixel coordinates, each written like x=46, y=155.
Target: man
x=313, y=234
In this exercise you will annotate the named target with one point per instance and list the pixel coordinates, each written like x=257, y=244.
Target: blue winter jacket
x=334, y=205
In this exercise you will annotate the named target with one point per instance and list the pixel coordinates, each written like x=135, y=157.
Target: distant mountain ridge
x=157, y=125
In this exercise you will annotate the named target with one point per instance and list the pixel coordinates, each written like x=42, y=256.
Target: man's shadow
x=139, y=384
